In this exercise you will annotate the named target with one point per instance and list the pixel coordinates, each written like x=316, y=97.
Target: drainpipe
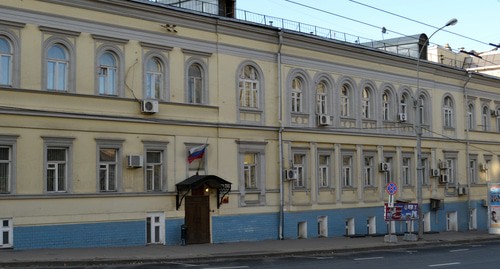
x=466, y=97
x=280, y=138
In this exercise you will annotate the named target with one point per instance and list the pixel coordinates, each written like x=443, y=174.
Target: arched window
x=345, y=100
x=297, y=94
x=386, y=105
x=485, y=118
x=195, y=84
x=154, y=78
x=421, y=109
x=321, y=98
x=5, y=62
x=249, y=87
x=366, y=103
x=108, y=74
x=448, y=112
x=57, y=68
x=470, y=117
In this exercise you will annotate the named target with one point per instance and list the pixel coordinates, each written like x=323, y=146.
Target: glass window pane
x=57, y=52
x=4, y=154
x=5, y=46
x=5, y=70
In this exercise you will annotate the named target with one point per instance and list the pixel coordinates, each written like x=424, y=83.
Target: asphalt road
x=471, y=256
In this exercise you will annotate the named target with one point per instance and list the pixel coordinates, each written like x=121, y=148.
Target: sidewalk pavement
x=161, y=253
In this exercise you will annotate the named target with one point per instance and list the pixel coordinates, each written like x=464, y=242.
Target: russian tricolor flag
x=196, y=153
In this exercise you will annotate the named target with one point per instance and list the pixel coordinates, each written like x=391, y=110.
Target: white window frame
x=6, y=226
x=448, y=112
x=451, y=170
x=55, y=167
x=322, y=98
x=299, y=162
x=368, y=170
x=59, y=143
x=386, y=105
x=154, y=171
x=345, y=100
x=251, y=170
x=324, y=167
x=6, y=57
x=485, y=118
x=111, y=165
x=470, y=116
x=297, y=91
x=155, y=228
x=406, y=170
x=154, y=79
x=366, y=103
x=5, y=186
x=108, y=75
x=249, y=87
x=473, y=169
x=54, y=75
x=195, y=93
x=347, y=170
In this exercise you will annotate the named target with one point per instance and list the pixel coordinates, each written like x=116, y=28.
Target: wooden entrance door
x=197, y=219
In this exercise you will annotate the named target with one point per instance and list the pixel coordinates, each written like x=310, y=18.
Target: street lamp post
x=418, y=130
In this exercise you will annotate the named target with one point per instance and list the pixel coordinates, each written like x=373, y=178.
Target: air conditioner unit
x=384, y=167
x=443, y=178
x=291, y=174
x=443, y=165
x=435, y=172
x=324, y=120
x=402, y=117
x=483, y=167
x=134, y=161
x=149, y=106
x=462, y=190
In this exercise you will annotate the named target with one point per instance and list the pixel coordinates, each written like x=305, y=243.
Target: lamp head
x=451, y=22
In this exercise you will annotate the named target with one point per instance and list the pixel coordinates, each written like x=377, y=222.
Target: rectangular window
x=451, y=171
x=406, y=171
x=249, y=93
x=5, y=168
x=154, y=170
x=250, y=170
x=153, y=85
x=448, y=117
x=473, y=170
x=195, y=90
x=321, y=103
x=368, y=171
x=56, y=169
x=155, y=228
x=107, y=169
x=347, y=171
x=388, y=174
x=344, y=106
x=323, y=170
x=5, y=69
x=299, y=162
x=107, y=80
x=7, y=233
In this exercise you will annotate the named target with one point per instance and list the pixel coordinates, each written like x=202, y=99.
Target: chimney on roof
x=227, y=8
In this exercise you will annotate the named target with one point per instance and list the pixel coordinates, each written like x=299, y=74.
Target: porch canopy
x=193, y=182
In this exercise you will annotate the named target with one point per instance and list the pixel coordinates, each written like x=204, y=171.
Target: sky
x=478, y=21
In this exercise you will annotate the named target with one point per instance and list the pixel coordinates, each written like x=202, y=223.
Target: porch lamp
x=418, y=130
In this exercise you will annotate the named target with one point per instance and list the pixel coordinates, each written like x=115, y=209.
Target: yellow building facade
x=102, y=103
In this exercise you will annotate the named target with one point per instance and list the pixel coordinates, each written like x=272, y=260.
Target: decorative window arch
x=59, y=66
x=323, y=92
x=406, y=104
x=109, y=71
x=297, y=94
x=423, y=107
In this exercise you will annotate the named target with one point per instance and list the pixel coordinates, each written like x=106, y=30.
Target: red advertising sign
x=401, y=212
